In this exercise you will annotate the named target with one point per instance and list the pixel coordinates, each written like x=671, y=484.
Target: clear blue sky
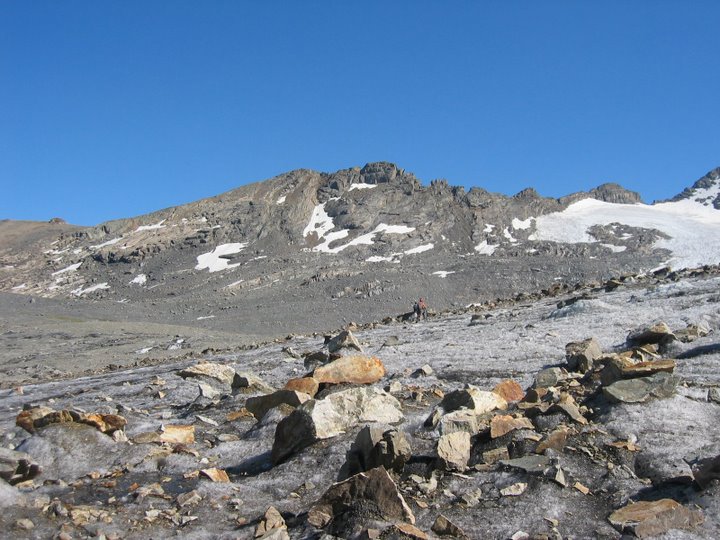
x=115, y=109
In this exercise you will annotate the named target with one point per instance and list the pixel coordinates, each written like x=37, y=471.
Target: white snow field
x=693, y=228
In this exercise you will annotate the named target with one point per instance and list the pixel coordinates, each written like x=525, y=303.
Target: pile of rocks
x=473, y=451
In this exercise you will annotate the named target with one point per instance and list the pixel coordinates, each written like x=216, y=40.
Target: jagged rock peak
x=615, y=193
x=706, y=190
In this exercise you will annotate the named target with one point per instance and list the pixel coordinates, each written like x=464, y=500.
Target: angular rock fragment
x=16, y=467
x=581, y=355
x=215, y=474
x=502, y=424
x=509, y=390
x=550, y=377
x=356, y=369
x=272, y=520
x=403, y=531
x=344, y=340
x=514, y=490
x=652, y=518
x=460, y=420
x=454, y=451
x=495, y=455
x=444, y=527
x=329, y=417
x=471, y=398
x=530, y=464
x=377, y=446
x=259, y=405
x=374, y=486
x=177, y=434
x=555, y=440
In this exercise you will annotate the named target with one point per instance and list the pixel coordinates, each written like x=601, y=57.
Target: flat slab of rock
x=503, y=424
x=444, y=527
x=374, y=486
x=356, y=369
x=661, y=385
x=652, y=518
x=617, y=369
x=472, y=398
x=529, y=464
x=222, y=373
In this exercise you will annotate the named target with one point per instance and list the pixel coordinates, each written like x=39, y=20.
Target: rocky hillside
x=358, y=244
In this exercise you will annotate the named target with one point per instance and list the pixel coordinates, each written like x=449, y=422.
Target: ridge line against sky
x=113, y=110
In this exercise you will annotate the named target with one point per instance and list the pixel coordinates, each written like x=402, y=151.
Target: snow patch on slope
x=214, y=260
x=483, y=248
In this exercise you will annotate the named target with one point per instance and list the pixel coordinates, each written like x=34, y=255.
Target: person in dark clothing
x=420, y=309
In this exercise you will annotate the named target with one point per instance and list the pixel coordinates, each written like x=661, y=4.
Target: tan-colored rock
x=619, y=368
x=107, y=423
x=215, y=474
x=444, y=527
x=659, y=332
x=514, y=490
x=454, y=450
x=177, y=434
x=652, y=518
x=26, y=419
x=405, y=530
x=259, y=405
x=503, y=424
x=219, y=372
x=460, y=420
x=306, y=385
x=271, y=520
x=509, y=390
x=356, y=369
x=374, y=485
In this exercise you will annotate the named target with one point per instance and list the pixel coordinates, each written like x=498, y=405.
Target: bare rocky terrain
x=173, y=374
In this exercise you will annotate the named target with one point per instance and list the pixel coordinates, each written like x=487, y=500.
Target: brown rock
x=651, y=518
x=404, y=530
x=271, y=520
x=503, y=424
x=107, y=423
x=619, y=368
x=555, y=440
x=306, y=385
x=356, y=369
x=374, y=486
x=26, y=419
x=444, y=527
x=509, y=390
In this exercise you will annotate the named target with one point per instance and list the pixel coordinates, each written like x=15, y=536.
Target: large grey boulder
x=337, y=413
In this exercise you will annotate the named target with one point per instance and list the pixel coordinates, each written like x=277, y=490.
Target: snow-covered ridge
x=694, y=229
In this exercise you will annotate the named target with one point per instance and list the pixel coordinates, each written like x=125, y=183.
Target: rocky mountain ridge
x=366, y=240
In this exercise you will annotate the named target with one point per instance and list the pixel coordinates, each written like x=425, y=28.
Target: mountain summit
x=356, y=244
